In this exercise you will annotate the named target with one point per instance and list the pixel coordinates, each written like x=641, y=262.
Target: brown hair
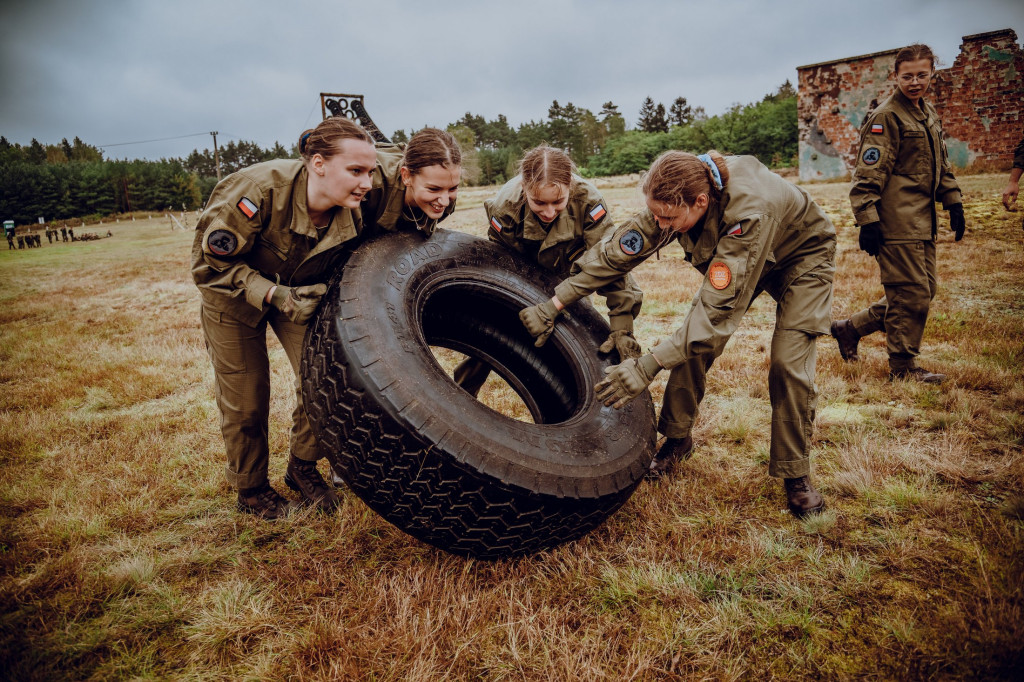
x=911, y=53
x=678, y=178
x=431, y=147
x=326, y=138
x=544, y=165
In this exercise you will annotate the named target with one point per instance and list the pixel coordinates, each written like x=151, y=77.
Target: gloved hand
x=627, y=380
x=298, y=303
x=539, y=320
x=956, y=220
x=870, y=238
x=624, y=342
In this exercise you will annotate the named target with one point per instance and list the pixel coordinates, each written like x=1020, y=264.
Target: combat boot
x=917, y=374
x=265, y=502
x=803, y=499
x=847, y=337
x=303, y=477
x=671, y=451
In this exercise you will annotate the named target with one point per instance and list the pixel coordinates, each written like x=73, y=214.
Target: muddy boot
x=803, y=499
x=265, y=502
x=303, y=477
x=847, y=337
x=671, y=451
x=917, y=374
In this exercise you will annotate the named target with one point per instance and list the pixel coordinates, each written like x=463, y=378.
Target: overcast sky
x=119, y=71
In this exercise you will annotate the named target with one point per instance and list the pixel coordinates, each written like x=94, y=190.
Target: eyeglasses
x=919, y=77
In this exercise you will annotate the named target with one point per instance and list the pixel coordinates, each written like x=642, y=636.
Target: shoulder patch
x=248, y=207
x=598, y=212
x=735, y=229
x=222, y=242
x=632, y=242
x=877, y=129
x=496, y=224
x=719, y=275
x=871, y=156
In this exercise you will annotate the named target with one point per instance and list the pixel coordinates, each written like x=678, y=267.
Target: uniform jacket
x=902, y=170
x=585, y=220
x=255, y=231
x=763, y=235
x=1018, y=155
x=383, y=207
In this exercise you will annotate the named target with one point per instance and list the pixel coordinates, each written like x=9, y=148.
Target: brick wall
x=979, y=98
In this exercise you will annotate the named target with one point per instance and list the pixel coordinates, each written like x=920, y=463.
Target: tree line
x=72, y=179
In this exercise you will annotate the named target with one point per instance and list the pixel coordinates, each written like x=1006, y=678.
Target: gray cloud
x=113, y=71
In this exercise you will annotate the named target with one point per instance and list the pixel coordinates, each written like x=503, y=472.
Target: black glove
x=871, y=238
x=298, y=303
x=626, y=380
x=539, y=320
x=956, y=220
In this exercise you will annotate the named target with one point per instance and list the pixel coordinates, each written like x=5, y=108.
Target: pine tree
x=681, y=113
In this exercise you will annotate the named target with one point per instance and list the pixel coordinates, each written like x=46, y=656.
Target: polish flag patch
x=735, y=229
x=246, y=206
x=876, y=129
x=598, y=212
x=495, y=224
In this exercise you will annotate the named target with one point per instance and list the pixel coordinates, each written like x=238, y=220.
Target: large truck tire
x=425, y=454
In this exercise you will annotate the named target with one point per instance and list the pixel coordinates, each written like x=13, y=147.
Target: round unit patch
x=222, y=242
x=719, y=275
x=871, y=156
x=632, y=242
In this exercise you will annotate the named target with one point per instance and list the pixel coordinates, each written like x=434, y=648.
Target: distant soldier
x=64, y=233
x=71, y=233
x=902, y=171
x=10, y=240
x=49, y=234
x=21, y=241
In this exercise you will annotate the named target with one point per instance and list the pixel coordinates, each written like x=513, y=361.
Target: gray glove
x=627, y=380
x=298, y=303
x=539, y=320
x=624, y=342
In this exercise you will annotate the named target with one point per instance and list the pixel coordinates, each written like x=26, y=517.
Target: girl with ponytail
x=747, y=231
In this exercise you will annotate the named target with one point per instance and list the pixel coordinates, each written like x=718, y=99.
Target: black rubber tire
x=425, y=454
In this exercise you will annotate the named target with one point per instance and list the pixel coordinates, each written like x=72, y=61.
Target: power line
x=159, y=139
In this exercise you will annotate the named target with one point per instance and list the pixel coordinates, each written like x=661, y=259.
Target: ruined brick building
x=979, y=99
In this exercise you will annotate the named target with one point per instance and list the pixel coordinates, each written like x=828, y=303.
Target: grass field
x=121, y=556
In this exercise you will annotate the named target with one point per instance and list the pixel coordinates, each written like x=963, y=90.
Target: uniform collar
x=914, y=111
x=300, y=222
x=704, y=247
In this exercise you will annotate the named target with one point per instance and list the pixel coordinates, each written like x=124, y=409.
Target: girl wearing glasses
x=902, y=170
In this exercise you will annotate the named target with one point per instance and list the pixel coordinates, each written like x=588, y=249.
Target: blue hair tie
x=303, y=141
x=707, y=161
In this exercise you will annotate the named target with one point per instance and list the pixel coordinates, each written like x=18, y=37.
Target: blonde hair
x=431, y=147
x=543, y=166
x=326, y=138
x=678, y=178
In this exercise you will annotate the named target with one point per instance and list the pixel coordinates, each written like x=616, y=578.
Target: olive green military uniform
x=902, y=170
x=585, y=220
x=765, y=234
x=384, y=207
x=254, y=232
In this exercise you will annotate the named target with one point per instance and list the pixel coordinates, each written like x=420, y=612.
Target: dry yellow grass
x=121, y=557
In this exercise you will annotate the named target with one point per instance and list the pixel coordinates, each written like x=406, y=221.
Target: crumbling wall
x=979, y=99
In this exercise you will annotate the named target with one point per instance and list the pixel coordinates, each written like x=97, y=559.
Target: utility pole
x=216, y=153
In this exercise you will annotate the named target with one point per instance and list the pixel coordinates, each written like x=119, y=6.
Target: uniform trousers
x=908, y=274
x=801, y=312
x=242, y=389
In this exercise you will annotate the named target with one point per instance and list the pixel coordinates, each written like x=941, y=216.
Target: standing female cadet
x=902, y=170
x=265, y=246
x=552, y=216
x=415, y=186
x=747, y=230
